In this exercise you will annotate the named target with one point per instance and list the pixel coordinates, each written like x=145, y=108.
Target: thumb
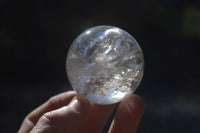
x=65, y=118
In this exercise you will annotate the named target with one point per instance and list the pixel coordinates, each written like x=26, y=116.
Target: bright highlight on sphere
x=105, y=64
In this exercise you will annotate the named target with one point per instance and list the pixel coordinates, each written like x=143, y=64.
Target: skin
x=71, y=113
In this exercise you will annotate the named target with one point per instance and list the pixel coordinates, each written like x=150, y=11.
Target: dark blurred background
x=35, y=36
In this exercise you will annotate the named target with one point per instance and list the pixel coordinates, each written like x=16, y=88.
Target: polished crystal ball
x=105, y=64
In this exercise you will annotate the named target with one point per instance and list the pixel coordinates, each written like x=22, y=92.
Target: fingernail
x=75, y=105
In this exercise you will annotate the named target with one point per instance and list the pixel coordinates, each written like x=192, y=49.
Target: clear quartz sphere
x=105, y=64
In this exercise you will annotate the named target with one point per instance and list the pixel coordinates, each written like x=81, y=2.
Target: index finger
x=52, y=104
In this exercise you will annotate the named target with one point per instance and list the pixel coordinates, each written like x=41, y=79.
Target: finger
x=65, y=119
x=97, y=118
x=52, y=104
x=26, y=126
x=128, y=115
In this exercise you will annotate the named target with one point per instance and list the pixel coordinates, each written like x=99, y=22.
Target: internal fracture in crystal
x=105, y=64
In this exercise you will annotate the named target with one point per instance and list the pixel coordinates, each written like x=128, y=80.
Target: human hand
x=71, y=113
